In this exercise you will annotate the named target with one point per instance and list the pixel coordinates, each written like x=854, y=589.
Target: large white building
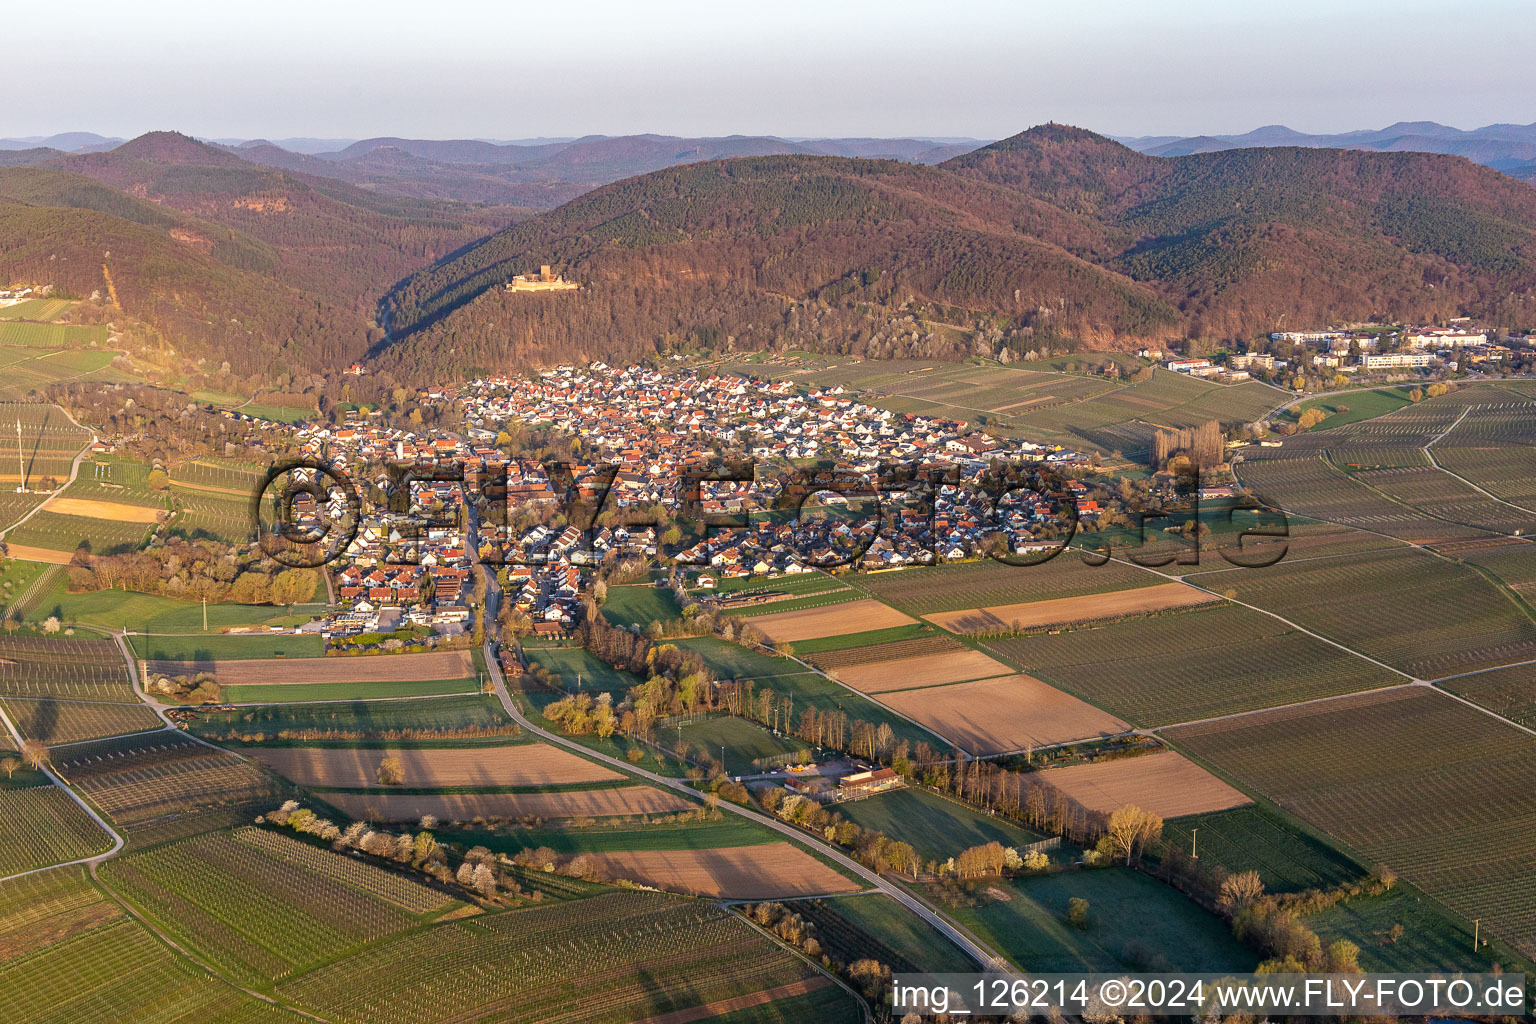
x=1395, y=360
x=1443, y=337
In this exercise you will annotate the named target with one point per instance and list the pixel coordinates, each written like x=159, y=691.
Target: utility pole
x=1477, y=923
x=205, y=615
x=1194, y=844
x=21, y=462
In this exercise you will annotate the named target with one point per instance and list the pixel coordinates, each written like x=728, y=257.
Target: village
x=642, y=435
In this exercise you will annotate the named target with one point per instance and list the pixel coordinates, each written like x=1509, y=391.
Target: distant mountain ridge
x=1500, y=146
x=1056, y=231
x=544, y=174
x=1051, y=236
x=272, y=271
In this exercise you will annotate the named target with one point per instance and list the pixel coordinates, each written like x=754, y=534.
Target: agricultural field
x=1168, y=400
x=1507, y=471
x=221, y=476
x=1410, y=778
x=58, y=925
x=575, y=803
x=64, y=668
x=390, y=886
x=805, y=690
x=821, y=599
x=49, y=443
x=34, y=356
x=936, y=826
x=66, y=532
x=1431, y=940
x=733, y=661
x=847, y=617
x=639, y=604
x=13, y=506
x=1254, y=839
x=1134, y=923
x=202, y=514
x=579, y=669
x=151, y=775
x=919, y=647
x=1008, y=713
x=34, y=333
x=1419, y=613
x=394, y=668
x=1342, y=410
x=1508, y=692
x=1305, y=482
x=41, y=825
x=505, y=766
x=609, y=959
x=463, y=716
x=920, y=670
x=1035, y=614
x=214, y=648
x=1165, y=783
x=304, y=693
x=55, y=721
x=43, y=310
x=619, y=834
x=259, y=916
x=876, y=927
x=147, y=613
x=1441, y=495
x=855, y=642
x=277, y=413
x=113, y=479
x=924, y=591
x=742, y=743
x=776, y=870
x=1197, y=664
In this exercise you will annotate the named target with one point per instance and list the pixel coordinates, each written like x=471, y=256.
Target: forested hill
x=1054, y=232
x=760, y=250
x=278, y=273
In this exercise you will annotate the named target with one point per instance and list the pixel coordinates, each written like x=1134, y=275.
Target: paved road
x=972, y=947
x=74, y=470
x=117, y=840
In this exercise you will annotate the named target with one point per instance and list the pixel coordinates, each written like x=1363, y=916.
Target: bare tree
x=34, y=752
x=1130, y=829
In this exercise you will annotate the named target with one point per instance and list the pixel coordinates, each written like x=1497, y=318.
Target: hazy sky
x=981, y=68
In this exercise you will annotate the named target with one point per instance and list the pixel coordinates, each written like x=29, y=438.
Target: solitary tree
x=1130, y=830
x=9, y=766
x=1241, y=889
x=391, y=771
x=34, y=752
